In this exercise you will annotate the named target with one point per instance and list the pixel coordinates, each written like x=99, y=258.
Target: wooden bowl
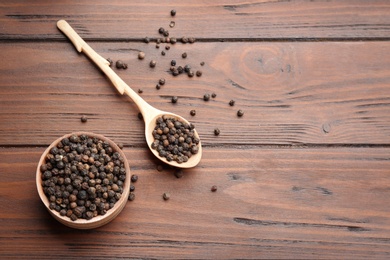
x=99, y=220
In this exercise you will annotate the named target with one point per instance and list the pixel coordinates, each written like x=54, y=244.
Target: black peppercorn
x=184, y=39
x=179, y=173
x=184, y=55
x=167, y=47
x=198, y=73
x=119, y=64
x=166, y=196
x=84, y=118
x=202, y=63
x=191, y=40
x=124, y=66
x=163, y=53
x=146, y=40
x=172, y=24
x=141, y=55
x=240, y=113
x=173, y=40
x=110, y=62
x=157, y=45
x=213, y=95
x=158, y=86
x=134, y=178
x=193, y=112
x=132, y=187
x=166, y=33
x=214, y=188
x=174, y=99
x=206, y=97
x=140, y=117
x=190, y=73
x=161, y=30
x=161, y=81
x=173, y=63
x=131, y=196
x=232, y=102
x=217, y=131
x=173, y=12
x=140, y=91
x=152, y=63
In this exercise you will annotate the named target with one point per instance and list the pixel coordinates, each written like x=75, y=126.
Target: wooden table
x=305, y=173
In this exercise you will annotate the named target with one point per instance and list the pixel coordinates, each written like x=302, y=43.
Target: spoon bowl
x=149, y=113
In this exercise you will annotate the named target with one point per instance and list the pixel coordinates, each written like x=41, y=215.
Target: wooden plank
x=271, y=203
x=260, y=19
x=291, y=93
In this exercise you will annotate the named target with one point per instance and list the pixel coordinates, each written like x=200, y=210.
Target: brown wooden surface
x=303, y=174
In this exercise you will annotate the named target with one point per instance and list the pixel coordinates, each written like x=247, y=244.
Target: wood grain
x=271, y=203
x=291, y=93
x=229, y=20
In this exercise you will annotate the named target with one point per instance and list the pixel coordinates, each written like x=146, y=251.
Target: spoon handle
x=103, y=64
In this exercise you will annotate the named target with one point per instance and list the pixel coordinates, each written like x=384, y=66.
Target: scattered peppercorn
x=134, y=178
x=214, y=188
x=140, y=91
x=174, y=99
x=184, y=55
x=161, y=81
x=158, y=41
x=193, y=112
x=167, y=47
x=166, y=33
x=190, y=73
x=132, y=188
x=157, y=45
x=206, y=97
x=172, y=24
x=173, y=63
x=166, y=196
x=152, y=63
x=146, y=40
x=119, y=64
x=184, y=39
x=141, y=55
x=131, y=196
x=163, y=53
x=173, y=40
x=179, y=173
x=120, y=145
x=217, y=131
x=84, y=118
x=240, y=113
x=160, y=168
x=158, y=86
x=232, y=102
x=161, y=30
x=191, y=40
x=202, y=63
x=124, y=66
x=198, y=73
x=173, y=12
x=140, y=117
x=110, y=61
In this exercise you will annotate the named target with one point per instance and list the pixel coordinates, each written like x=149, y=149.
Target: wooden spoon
x=149, y=113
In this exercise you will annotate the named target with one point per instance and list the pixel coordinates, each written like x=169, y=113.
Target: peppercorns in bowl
x=83, y=179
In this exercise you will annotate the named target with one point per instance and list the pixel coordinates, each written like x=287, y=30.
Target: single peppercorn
x=161, y=30
x=146, y=40
x=174, y=99
x=166, y=33
x=173, y=12
x=134, y=178
x=124, y=66
x=131, y=196
x=190, y=73
x=84, y=118
x=167, y=47
x=119, y=64
x=157, y=45
x=110, y=61
x=173, y=40
x=213, y=95
x=202, y=63
x=198, y=73
x=232, y=102
x=217, y=131
x=120, y=145
x=163, y=53
x=152, y=63
x=140, y=91
x=184, y=55
x=184, y=39
x=206, y=97
x=173, y=63
x=158, y=86
x=160, y=168
x=132, y=188
x=191, y=40
x=172, y=24
x=214, y=188
x=166, y=196
x=161, y=81
x=240, y=113
x=141, y=55
x=193, y=112
x=179, y=173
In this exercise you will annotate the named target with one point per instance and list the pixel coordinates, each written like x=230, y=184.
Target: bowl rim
x=99, y=220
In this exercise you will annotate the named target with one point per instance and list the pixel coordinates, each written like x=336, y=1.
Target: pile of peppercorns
x=83, y=177
x=174, y=140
